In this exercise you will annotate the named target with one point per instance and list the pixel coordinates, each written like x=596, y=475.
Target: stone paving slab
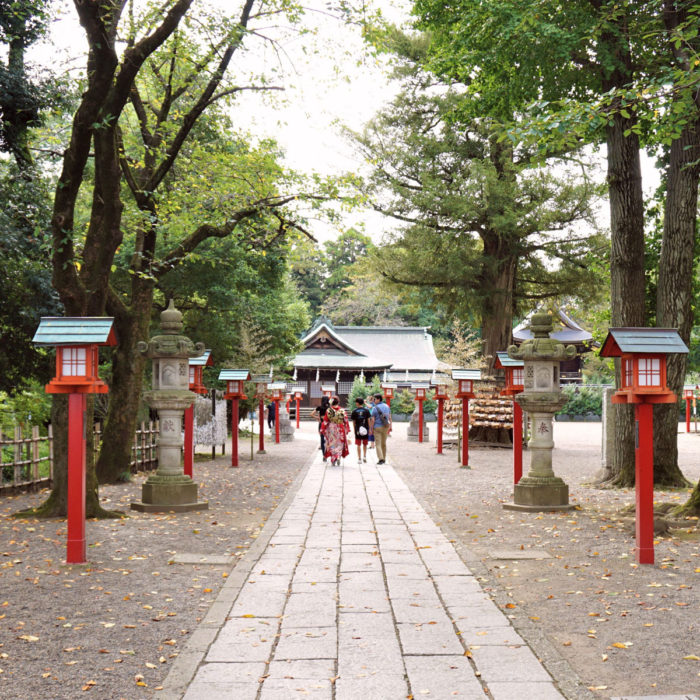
x=356, y=594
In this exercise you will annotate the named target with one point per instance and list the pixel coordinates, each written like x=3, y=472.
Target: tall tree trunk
x=674, y=297
x=626, y=270
x=498, y=281
x=127, y=378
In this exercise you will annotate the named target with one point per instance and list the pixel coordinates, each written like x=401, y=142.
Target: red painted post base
x=297, y=414
x=277, y=422
x=189, y=441
x=75, y=545
x=420, y=421
x=440, y=418
x=465, y=433
x=261, y=421
x=234, y=432
x=517, y=442
x=644, y=482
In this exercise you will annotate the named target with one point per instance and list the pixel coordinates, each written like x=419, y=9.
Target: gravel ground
x=624, y=629
x=110, y=629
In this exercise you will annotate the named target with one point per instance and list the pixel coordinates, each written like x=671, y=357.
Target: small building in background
x=335, y=355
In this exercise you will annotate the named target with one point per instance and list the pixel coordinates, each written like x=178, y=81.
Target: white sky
x=330, y=82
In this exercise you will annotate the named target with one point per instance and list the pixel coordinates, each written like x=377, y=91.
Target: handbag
x=362, y=431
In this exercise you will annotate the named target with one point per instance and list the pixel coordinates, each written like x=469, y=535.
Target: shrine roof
x=234, y=375
x=369, y=347
x=642, y=340
x=75, y=330
x=569, y=332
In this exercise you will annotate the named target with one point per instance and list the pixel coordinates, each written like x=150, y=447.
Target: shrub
x=582, y=400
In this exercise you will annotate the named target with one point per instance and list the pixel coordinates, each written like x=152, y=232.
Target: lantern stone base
x=535, y=495
x=161, y=494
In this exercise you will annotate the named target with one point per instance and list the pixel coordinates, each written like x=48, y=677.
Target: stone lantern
x=541, y=398
x=170, y=489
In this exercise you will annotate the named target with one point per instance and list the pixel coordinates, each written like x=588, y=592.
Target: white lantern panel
x=74, y=362
x=649, y=371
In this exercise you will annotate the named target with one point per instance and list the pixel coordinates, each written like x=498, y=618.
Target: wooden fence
x=23, y=454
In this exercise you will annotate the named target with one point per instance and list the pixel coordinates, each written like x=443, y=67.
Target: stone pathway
x=356, y=595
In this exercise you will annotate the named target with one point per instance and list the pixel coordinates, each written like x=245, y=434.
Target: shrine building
x=335, y=355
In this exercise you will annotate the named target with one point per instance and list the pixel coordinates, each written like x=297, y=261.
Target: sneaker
x=381, y=461
x=324, y=460
x=365, y=460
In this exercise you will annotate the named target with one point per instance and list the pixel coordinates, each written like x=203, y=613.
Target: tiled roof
x=336, y=361
x=570, y=333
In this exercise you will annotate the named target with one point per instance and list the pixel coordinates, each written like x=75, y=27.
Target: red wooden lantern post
x=276, y=391
x=328, y=390
x=234, y=378
x=643, y=383
x=260, y=391
x=297, y=396
x=388, y=390
x=514, y=385
x=77, y=362
x=197, y=365
x=440, y=395
x=465, y=391
x=688, y=396
x=420, y=390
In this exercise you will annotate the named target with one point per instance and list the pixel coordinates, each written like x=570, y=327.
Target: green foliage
x=361, y=390
x=582, y=400
x=30, y=405
x=404, y=402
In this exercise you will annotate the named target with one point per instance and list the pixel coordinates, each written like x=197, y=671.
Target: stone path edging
x=188, y=660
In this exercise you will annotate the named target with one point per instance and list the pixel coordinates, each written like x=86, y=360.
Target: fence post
x=17, y=449
x=35, y=452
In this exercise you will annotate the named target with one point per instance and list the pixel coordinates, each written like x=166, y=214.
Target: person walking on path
x=271, y=416
x=360, y=419
x=320, y=413
x=380, y=425
x=335, y=427
x=370, y=437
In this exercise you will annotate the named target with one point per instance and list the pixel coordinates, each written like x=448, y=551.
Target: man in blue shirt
x=380, y=425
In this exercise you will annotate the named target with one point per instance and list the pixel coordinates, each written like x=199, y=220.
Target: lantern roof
x=75, y=330
x=234, y=375
x=466, y=374
x=328, y=387
x=277, y=385
x=420, y=385
x=387, y=385
x=204, y=360
x=503, y=361
x=642, y=340
x=261, y=378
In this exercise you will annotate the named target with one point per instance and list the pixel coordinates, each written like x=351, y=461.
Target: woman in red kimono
x=335, y=428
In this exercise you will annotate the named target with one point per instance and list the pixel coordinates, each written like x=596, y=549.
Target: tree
x=184, y=57
x=482, y=222
x=596, y=71
x=22, y=23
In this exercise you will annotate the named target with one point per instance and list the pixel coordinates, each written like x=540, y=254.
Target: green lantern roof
x=205, y=360
x=505, y=361
x=75, y=330
x=642, y=340
x=473, y=374
x=234, y=375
